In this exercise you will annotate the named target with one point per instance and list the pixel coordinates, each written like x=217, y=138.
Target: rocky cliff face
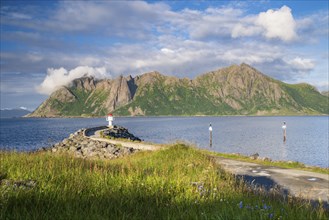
x=325, y=93
x=235, y=90
x=86, y=97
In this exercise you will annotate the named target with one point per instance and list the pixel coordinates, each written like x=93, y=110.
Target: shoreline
x=233, y=156
x=182, y=116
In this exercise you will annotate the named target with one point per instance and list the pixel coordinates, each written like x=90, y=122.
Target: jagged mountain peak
x=152, y=74
x=149, y=77
x=242, y=69
x=85, y=82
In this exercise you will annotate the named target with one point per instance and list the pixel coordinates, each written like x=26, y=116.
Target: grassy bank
x=175, y=183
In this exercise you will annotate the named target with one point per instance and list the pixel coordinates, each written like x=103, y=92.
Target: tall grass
x=176, y=183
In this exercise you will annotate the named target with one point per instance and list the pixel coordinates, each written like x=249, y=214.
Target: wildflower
x=265, y=206
x=270, y=215
x=240, y=205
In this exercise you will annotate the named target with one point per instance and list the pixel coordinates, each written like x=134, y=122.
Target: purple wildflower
x=240, y=205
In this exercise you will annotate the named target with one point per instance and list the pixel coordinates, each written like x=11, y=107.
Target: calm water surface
x=307, y=137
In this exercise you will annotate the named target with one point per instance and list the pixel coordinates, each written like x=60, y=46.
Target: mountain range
x=234, y=90
x=13, y=113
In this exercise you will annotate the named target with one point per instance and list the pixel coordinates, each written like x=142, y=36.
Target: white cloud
x=20, y=16
x=61, y=77
x=278, y=24
x=213, y=22
x=322, y=85
x=167, y=51
x=128, y=20
x=302, y=64
x=34, y=57
x=187, y=58
x=272, y=24
x=243, y=30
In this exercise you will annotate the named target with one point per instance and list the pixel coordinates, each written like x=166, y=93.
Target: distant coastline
x=155, y=116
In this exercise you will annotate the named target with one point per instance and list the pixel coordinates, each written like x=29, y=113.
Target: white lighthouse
x=110, y=119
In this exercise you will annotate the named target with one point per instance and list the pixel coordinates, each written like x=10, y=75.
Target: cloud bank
x=61, y=77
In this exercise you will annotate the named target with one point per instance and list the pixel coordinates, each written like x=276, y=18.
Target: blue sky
x=46, y=44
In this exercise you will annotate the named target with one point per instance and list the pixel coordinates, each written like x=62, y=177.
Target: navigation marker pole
x=210, y=135
x=284, y=127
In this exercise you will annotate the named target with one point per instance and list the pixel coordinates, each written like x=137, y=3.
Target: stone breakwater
x=80, y=146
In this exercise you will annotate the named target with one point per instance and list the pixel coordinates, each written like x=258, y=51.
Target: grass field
x=178, y=182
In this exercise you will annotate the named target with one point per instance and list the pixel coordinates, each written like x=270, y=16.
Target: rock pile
x=120, y=132
x=256, y=157
x=82, y=147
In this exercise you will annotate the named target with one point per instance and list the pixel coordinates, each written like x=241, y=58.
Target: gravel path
x=95, y=135
x=304, y=184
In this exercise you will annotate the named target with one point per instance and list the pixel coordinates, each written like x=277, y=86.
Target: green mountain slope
x=235, y=90
x=307, y=98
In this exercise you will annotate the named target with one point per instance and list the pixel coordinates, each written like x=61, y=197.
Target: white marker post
x=284, y=127
x=210, y=135
x=110, y=119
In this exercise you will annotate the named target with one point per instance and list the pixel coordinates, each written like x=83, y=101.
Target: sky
x=47, y=44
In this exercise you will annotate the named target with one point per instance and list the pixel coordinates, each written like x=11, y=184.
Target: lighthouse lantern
x=110, y=119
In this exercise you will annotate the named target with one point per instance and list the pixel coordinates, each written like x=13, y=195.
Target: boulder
x=254, y=156
x=266, y=159
x=72, y=149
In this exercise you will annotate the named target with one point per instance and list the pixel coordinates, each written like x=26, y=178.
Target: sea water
x=307, y=136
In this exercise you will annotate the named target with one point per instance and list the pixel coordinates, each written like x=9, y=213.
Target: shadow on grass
x=137, y=203
x=112, y=206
